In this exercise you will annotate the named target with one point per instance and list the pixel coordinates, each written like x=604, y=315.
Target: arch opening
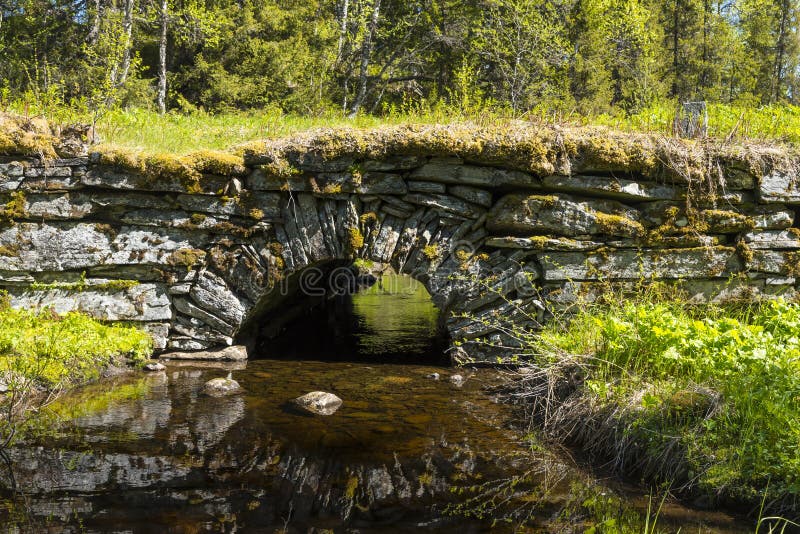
x=338, y=311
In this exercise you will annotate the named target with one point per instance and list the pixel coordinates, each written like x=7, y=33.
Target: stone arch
x=500, y=222
x=438, y=245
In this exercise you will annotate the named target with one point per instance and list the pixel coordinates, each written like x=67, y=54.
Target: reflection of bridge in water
x=397, y=446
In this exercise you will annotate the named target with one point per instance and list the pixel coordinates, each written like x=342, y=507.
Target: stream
x=153, y=453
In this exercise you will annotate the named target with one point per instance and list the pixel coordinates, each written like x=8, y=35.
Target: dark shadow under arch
x=331, y=311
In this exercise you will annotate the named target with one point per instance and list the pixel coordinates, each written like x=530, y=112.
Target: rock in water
x=221, y=386
x=318, y=402
x=154, y=367
x=234, y=353
x=433, y=376
x=457, y=380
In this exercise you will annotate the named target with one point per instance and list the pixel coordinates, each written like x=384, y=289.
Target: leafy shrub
x=727, y=383
x=50, y=349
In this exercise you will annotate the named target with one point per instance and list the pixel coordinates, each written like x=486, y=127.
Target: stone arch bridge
x=501, y=225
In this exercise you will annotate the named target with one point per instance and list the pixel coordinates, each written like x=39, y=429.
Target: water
x=405, y=451
x=392, y=321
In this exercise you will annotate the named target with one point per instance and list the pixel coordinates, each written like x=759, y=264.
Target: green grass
x=769, y=123
x=176, y=133
x=723, y=385
x=53, y=350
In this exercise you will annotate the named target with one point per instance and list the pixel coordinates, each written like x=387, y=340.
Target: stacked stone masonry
x=488, y=241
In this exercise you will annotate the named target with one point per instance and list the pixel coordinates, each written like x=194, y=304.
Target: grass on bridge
x=176, y=133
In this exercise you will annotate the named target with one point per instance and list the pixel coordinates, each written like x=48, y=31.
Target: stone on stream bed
x=154, y=367
x=234, y=353
x=318, y=402
x=221, y=386
x=457, y=380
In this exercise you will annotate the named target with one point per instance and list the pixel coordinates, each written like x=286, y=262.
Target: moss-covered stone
x=26, y=137
x=431, y=252
x=10, y=250
x=725, y=221
x=369, y=218
x=187, y=169
x=618, y=225
x=186, y=257
x=13, y=209
x=355, y=240
x=216, y=162
x=197, y=218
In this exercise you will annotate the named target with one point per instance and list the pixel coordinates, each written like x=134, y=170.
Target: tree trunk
x=127, y=29
x=675, y=52
x=94, y=33
x=366, y=51
x=162, y=61
x=705, y=81
x=780, y=49
x=342, y=30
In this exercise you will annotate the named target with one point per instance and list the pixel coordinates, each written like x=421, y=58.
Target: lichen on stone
x=186, y=257
x=618, y=225
x=355, y=240
x=369, y=218
x=431, y=251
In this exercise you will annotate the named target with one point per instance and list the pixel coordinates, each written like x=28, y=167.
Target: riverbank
x=702, y=400
x=43, y=354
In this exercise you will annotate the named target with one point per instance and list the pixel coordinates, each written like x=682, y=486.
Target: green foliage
x=53, y=350
x=727, y=382
x=525, y=50
x=351, y=57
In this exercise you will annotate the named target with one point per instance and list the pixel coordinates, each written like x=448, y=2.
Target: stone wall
x=199, y=249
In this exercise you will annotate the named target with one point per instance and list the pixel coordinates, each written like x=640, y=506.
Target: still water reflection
x=154, y=454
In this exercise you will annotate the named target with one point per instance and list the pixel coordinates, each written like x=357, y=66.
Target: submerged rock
x=221, y=386
x=457, y=380
x=154, y=367
x=318, y=402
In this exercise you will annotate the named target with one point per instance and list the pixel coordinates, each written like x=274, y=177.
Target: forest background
x=623, y=61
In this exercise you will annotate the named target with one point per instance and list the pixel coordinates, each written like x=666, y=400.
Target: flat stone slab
x=517, y=214
x=541, y=243
x=610, y=187
x=773, y=240
x=142, y=302
x=234, y=353
x=779, y=187
x=450, y=173
x=699, y=262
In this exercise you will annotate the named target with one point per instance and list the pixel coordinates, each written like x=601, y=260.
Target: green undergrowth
x=181, y=133
x=52, y=350
x=706, y=395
